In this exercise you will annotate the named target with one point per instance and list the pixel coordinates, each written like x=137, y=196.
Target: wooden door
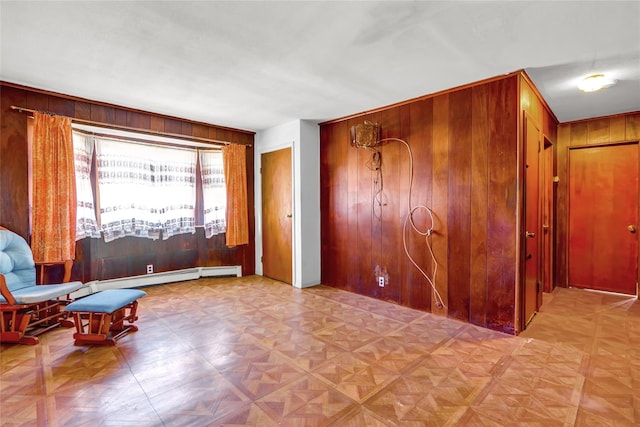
x=603, y=218
x=532, y=289
x=277, y=218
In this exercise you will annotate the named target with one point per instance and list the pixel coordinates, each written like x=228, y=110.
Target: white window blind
x=145, y=190
x=213, y=192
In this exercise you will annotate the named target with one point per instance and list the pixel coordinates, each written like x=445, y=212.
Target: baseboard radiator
x=157, y=279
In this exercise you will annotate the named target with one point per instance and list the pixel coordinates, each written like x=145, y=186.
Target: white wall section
x=303, y=136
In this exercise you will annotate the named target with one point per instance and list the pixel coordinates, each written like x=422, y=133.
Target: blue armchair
x=27, y=310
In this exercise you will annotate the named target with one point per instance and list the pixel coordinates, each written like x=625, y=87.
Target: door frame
x=568, y=254
x=258, y=206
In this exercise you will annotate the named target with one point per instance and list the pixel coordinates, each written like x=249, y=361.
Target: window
x=214, y=193
x=145, y=189
x=86, y=223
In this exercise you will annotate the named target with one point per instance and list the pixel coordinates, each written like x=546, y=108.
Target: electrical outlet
x=381, y=281
x=149, y=268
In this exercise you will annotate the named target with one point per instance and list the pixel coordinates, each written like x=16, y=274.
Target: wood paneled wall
x=123, y=257
x=602, y=130
x=465, y=145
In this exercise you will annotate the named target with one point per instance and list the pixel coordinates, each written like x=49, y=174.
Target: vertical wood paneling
x=187, y=129
x=355, y=275
x=245, y=139
x=82, y=110
x=334, y=218
x=326, y=241
x=14, y=179
x=377, y=207
x=394, y=199
x=418, y=131
x=172, y=126
x=502, y=256
x=632, y=130
x=441, y=200
x=617, y=127
x=138, y=120
x=529, y=102
x=88, y=268
x=61, y=106
x=156, y=124
x=598, y=131
x=479, y=207
x=562, y=205
x=364, y=209
x=579, y=134
x=219, y=134
x=247, y=252
x=340, y=227
x=121, y=117
x=550, y=127
x=37, y=101
x=94, y=258
x=101, y=113
x=199, y=131
x=466, y=151
x=459, y=212
x=402, y=283
x=212, y=134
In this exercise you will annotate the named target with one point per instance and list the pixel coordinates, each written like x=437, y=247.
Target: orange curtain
x=235, y=175
x=53, y=235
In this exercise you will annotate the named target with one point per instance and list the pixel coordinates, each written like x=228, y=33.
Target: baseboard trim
x=157, y=279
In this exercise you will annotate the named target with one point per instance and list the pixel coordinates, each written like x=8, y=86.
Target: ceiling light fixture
x=595, y=82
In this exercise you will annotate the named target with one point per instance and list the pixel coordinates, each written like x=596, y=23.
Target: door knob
x=529, y=235
x=632, y=228
x=289, y=215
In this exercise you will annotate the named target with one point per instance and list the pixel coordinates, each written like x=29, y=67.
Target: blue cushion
x=106, y=301
x=16, y=262
x=39, y=293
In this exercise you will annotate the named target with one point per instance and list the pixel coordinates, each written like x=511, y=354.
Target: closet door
x=603, y=218
x=277, y=215
x=532, y=293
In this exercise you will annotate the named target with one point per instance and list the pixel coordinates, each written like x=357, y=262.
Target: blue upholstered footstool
x=99, y=318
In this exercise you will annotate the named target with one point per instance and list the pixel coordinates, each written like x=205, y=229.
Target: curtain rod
x=129, y=128
x=175, y=145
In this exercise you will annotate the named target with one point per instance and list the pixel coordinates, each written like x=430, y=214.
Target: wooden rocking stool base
x=100, y=318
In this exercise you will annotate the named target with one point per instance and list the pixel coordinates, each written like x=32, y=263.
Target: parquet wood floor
x=254, y=352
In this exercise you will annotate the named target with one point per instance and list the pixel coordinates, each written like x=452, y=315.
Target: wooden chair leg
x=13, y=325
x=23, y=323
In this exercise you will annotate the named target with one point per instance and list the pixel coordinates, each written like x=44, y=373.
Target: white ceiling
x=254, y=65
